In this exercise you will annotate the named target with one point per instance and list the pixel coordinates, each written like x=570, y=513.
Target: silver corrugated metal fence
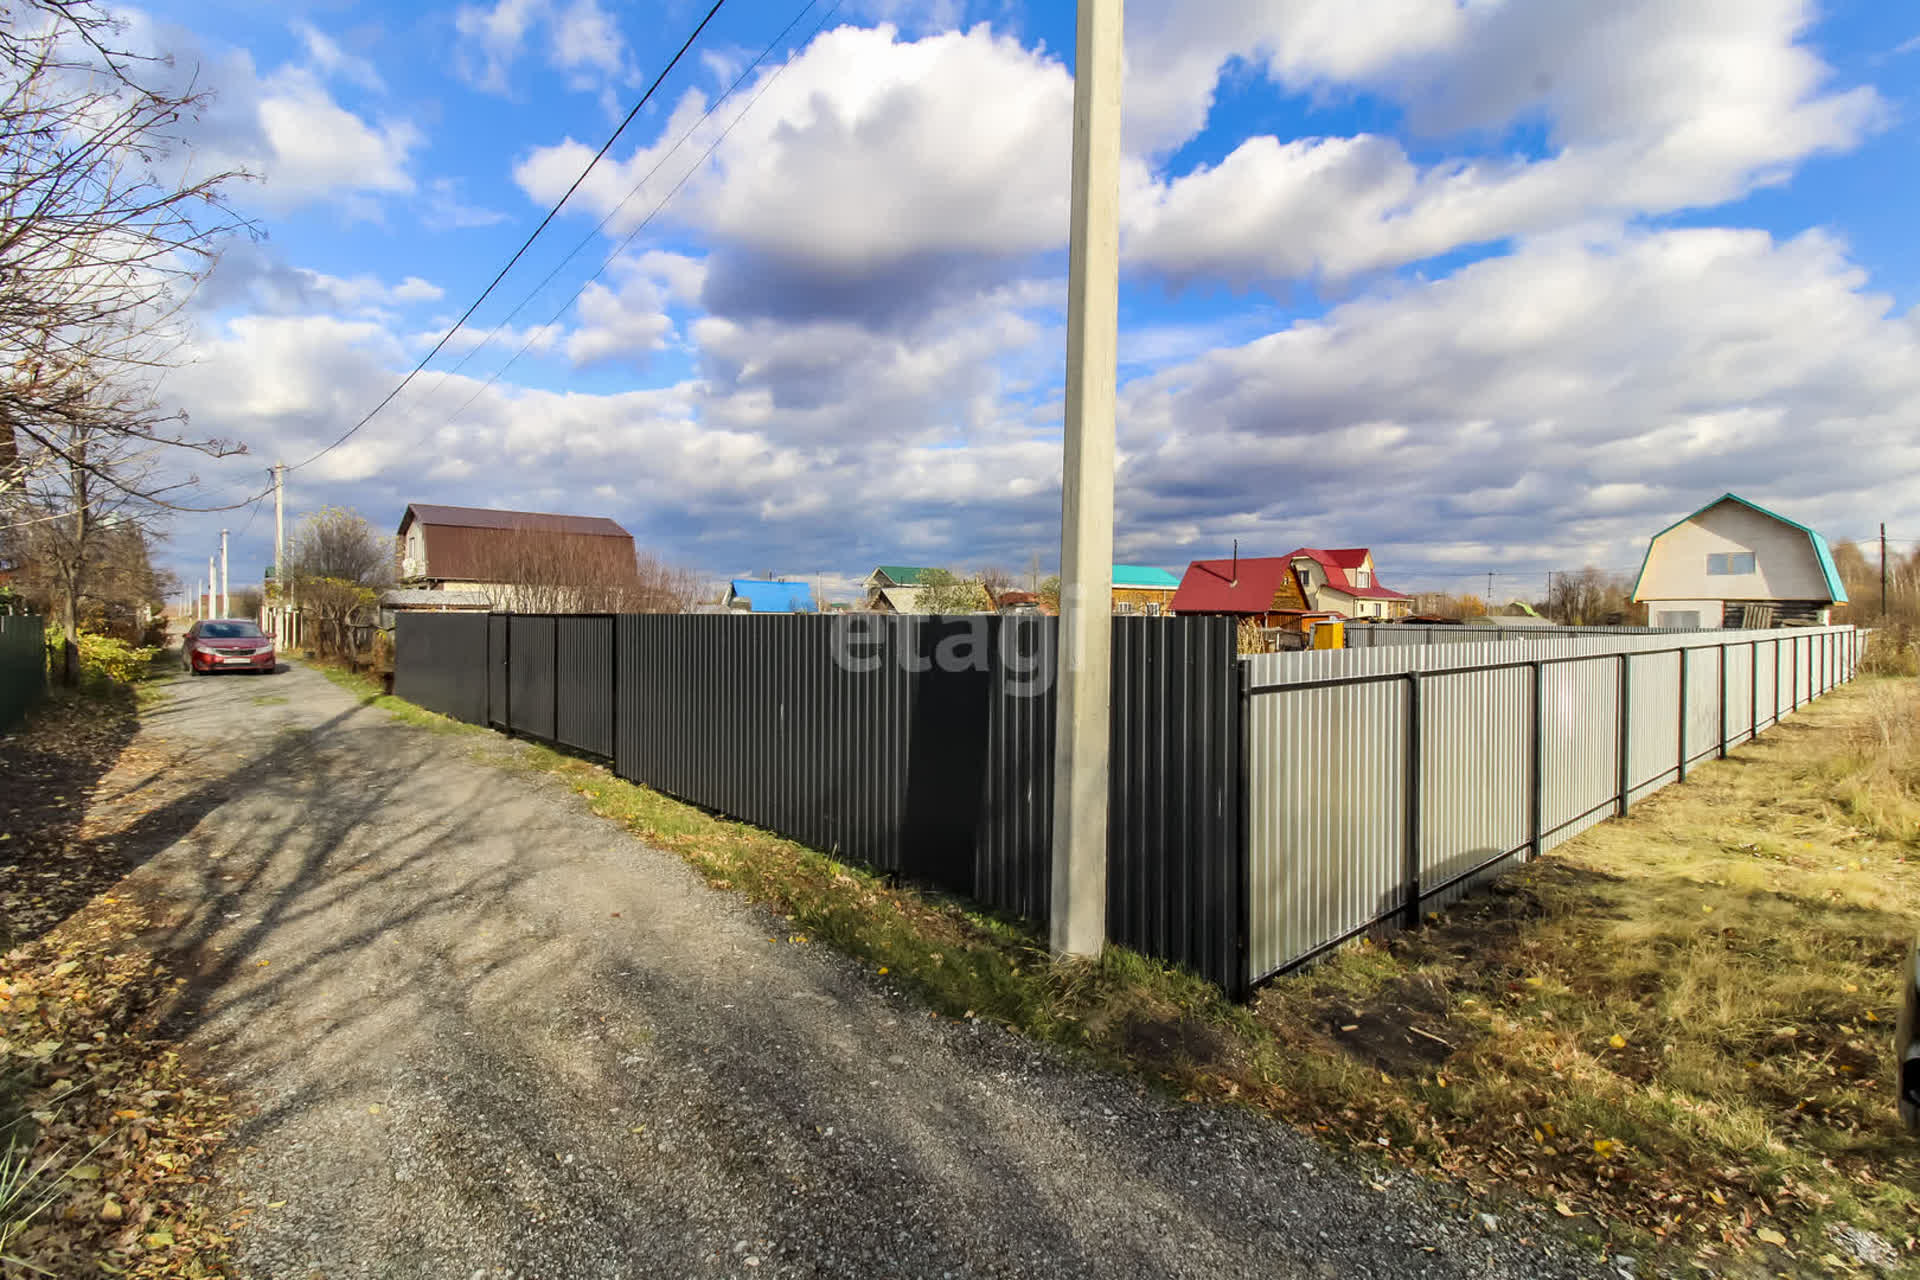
x=1385, y=782
x=1391, y=635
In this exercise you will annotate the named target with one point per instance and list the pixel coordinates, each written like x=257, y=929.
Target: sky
x=1484, y=285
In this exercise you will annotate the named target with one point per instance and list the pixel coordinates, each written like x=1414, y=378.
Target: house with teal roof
x=1733, y=563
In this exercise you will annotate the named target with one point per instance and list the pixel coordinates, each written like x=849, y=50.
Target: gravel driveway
x=479, y=1032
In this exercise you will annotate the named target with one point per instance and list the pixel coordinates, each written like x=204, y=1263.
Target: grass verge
x=1673, y=1031
x=370, y=694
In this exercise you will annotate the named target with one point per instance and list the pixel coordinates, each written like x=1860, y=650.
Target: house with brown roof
x=504, y=553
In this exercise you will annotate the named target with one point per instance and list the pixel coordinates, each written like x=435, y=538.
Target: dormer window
x=1362, y=578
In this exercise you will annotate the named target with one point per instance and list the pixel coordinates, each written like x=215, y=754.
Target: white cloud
x=491, y=39
x=326, y=56
x=585, y=38
x=866, y=151
x=285, y=128
x=1652, y=108
x=1574, y=394
x=315, y=146
x=631, y=322
x=583, y=41
x=446, y=211
x=251, y=275
x=630, y=319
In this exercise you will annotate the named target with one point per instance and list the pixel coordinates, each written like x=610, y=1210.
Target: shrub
x=102, y=658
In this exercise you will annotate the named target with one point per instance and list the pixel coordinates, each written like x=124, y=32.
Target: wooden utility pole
x=1079, y=907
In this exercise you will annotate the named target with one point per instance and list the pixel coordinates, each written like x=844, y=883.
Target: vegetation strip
x=1674, y=1029
x=104, y=1125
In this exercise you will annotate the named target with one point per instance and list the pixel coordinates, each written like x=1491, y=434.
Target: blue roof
x=1137, y=575
x=774, y=597
x=1836, y=592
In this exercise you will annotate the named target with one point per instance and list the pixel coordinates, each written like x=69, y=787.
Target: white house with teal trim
x=1733, y=563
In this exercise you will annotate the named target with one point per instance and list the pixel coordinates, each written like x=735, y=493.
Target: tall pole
x=223, y=573
x=213, y=588
x=280, y=526
x=1883, y=570
x=1079, y=924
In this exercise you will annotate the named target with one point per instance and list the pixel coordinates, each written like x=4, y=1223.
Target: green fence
x=23, y=666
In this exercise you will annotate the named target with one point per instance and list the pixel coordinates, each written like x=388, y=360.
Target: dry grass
x=1675, y=1029
x=1679, y=1024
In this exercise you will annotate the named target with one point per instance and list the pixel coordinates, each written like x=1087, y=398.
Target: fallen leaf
x=1617, y=1040
x=1771, y=1236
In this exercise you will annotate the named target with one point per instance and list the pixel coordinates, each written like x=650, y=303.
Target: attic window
x=1362, y=578
x=1731, y=563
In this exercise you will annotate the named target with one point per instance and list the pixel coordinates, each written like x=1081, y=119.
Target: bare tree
x=1590, y=597
x=996, y=582
x=337, y=563
x=544, y=571
x=105, y=231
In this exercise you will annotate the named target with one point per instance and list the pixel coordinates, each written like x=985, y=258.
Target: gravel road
x=479, y=1032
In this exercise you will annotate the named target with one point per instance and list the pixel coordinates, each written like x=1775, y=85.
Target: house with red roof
x=1342, y=581
x=1263, y=588
x=1275, y=591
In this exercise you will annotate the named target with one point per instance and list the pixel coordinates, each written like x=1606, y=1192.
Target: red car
x=226, y=644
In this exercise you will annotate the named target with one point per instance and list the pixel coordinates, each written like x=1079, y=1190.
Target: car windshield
x=229, y=631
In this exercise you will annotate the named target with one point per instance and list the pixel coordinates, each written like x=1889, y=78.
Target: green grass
x=370, y=695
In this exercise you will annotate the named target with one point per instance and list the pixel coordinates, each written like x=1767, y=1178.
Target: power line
x=634, y=234
x=525, y=245
x=635, y=190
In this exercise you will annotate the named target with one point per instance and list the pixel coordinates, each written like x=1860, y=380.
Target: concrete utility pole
x=194, y=612
x=279, y=525
x=224, y=600
x=1079, y=925
x=213, y=588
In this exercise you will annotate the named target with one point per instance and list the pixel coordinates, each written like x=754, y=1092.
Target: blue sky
x=1483, y=285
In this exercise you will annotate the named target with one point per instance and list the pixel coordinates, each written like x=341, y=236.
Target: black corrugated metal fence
x=921, y=746
x=23, y=665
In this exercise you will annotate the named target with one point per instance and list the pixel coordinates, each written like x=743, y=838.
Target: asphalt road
x=479, y=1032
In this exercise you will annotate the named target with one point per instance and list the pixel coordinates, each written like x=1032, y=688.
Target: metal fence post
x=1537, y=784
x=506, y=671
x=1411, y=911
x=1626, y=730
x=1682, y=774
x=1724, y=731
x=1753, y=671
x=1243, y=816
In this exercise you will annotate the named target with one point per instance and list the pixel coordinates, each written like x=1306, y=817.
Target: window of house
x=1730, y=563
x=1362, y=578
x=1682, y=618
x=1300, y=576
